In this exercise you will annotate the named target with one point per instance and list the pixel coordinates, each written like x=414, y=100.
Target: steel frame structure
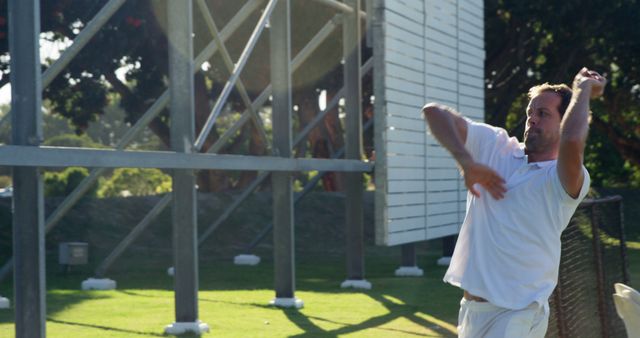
x=26, y=156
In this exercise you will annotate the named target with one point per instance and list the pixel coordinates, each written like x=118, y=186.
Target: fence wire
x=593, y=260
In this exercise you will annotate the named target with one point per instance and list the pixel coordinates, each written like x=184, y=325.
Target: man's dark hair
x=561, y=89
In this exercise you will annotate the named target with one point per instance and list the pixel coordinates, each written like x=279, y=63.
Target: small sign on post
x=73, y=253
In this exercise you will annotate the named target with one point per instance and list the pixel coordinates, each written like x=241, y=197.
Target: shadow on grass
x=313, y=330
x=395, y=311
x=419, y=300
x=57, y=302
x=106, y=328
x=258, y=305
x=425, y=301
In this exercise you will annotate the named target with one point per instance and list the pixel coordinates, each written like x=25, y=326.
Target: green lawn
x=233, y=301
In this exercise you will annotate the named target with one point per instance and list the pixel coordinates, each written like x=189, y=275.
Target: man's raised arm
x=574, y=129
x=450, y=129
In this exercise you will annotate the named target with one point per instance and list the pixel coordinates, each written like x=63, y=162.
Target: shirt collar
x=519, y=153
x=543, y=164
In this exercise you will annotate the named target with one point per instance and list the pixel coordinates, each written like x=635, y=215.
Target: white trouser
x=485, y=320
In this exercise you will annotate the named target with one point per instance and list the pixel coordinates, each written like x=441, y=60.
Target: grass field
x=233, y=299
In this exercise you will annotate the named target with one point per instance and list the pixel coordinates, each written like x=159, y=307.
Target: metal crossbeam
x=28, y=156
x=230, y=66
x=239, y=66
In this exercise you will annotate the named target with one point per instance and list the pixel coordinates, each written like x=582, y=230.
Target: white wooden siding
x=433, y=51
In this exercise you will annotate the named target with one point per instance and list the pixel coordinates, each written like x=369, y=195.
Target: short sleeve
x=482, y=139
x=564, y=196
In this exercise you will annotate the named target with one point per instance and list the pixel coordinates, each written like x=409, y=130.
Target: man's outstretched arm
x=450, y=129
x=574, y=129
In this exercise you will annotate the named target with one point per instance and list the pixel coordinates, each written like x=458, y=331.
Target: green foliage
x=72, y=140
x=135, y=182
x=302, y=178
x=529, y=42
x=606, y=167
x=63, y=183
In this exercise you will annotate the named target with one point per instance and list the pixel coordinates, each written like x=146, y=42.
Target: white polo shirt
x=508, y=250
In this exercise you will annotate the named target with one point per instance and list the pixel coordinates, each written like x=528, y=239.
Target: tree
x=62, y=183
x=532, y=41
x=135, y=182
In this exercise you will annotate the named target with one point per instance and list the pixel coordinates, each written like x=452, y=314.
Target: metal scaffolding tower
x=26, y=155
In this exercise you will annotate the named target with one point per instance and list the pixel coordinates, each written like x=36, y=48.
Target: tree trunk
x=319, y=138
x=335, y=141
x=257, y=147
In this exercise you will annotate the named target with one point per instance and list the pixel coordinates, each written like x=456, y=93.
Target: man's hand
x=476, y=173
x=591, y=80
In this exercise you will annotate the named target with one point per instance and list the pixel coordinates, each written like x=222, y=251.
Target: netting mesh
x=582, y=304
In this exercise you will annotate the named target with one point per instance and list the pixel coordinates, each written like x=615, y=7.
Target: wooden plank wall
x=433, y=51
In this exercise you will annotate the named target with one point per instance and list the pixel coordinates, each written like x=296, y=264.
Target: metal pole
x=561, y=321
x=623, y=244
x=28, y=201
x=448, y=245
x=353, y=144
x=597, y=253
x=369, y=25
x=181, y=87
x=283, y=238
x=408, y=252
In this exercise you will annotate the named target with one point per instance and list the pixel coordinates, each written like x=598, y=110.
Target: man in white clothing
x=521, y=197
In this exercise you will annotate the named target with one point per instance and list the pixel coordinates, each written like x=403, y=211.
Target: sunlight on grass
x=439, y=324
x=633, y=245
x=393, y=300
x=234, y=302
x=235, y=305
x=235, y=313
x=403, y=326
